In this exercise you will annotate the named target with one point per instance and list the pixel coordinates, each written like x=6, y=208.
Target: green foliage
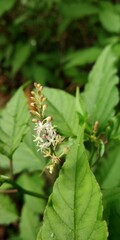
x=32, y=206
x=26, y=157
x=31, y=182
x=101, y=95
x=60, y=105
x=108, y=174
x=28, y=219
x=5, y=6
x=55, y=43
x=13, y=123
x=8, y=213
x=110, y=17
x=82, y=57
x=75, y=203
x=40, y=39
x=21, y=55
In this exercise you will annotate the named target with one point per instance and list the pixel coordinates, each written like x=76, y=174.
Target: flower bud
x=34, y=120
x=32, y=104
x=40, y=89
x=32, y=98
x=33, y=93
x=35, y=113
x=44, y=107
x=48, y=119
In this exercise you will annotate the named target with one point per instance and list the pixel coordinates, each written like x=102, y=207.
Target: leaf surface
x=108, y=171
x=61, y=106
x=74, y=210
x=101, y=94
x=29, y=224
x=13, y=123
x=109, y=17
x=82, y=57
x=8, y=213
x=26, y=157
x=34, y=183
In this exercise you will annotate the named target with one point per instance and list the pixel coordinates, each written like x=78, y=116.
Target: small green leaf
x=101, y=95
x=21, y=55
x=74, y=210
x=61, y=108
x=5, y=6
x=8, y=213
x=109, y=17
x=13, y=123
x=82, y=57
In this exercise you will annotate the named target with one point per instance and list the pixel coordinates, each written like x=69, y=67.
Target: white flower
x=45, y=134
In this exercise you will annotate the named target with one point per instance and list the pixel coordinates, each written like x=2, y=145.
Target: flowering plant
x=46, y=137
x=80, y=201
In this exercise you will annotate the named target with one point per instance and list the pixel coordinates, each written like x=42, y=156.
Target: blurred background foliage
x=54, y=42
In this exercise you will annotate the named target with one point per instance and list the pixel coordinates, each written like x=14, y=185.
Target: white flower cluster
x=46, y=138
x=46, y=135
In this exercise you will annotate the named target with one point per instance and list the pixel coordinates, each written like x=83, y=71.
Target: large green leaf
x=74, y=210
x=101, y=95
x=8, y=213
x=26, y=157
x=61, y=106
x=108, y=171
x=13, y=123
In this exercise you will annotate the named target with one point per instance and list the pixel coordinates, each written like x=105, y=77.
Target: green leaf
x=109, y=17
x=8, y=213
x=101, y=95
x=61, y=108
x=108, y=171
x=114, y=220
x=5, y=6
x=111, y=200
x=74, y=210
x=32, y=183
x=115, y=128
x=77, y=10
x=26, y=157
x=21, y=55
x=82, y=57
x=13, y=123
x=29, y=224
x=40, y=73
x=114, y=230
x=110, y=195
